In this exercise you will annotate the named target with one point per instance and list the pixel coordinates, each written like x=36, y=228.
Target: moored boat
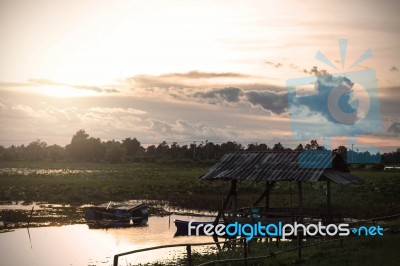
x=182, y=227
x=116, y=215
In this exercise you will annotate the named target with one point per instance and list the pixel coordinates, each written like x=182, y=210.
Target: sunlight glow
x=64, y=91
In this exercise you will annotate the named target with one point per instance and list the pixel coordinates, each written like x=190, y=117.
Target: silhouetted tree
x=230, y=146
x=56, y=152
x=132, y=147
x=114, y=151
x=83, y=148
x=86, y=148
x=278, y=147
x=175, y=150
x=313, y=145
x=35, y=151
x=391, y=157
x=151, y=151
x=162, y=150
x=299, y=147
x=342, y=151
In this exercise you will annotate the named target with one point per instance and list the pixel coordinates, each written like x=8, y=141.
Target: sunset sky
x=184, y=71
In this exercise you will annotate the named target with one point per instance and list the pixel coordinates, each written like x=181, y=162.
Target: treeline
x=84, y=148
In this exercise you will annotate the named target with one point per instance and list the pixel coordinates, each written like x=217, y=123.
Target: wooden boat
x=116, y=215
x=182, y=227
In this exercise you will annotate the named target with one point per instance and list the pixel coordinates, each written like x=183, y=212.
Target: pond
x=78, y=245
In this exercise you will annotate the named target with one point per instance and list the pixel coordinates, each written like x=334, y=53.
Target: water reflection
x=79, y=245
x=15, y=205
x=53, y=172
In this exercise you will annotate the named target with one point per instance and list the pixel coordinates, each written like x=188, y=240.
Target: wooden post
x=299, y=185
x=300, y=220
x=260, y=198
x=234, y=194
x=189, y=255
x=245, y=252
x=30, y=216
x=328, y=196
x=232, y=191
x=267, y=189
x=291, y=198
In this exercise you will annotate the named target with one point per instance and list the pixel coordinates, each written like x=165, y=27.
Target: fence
x=188, y=249
x=246, y=258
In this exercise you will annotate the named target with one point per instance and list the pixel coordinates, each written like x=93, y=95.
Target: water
x=79, y=245
x=48, y=172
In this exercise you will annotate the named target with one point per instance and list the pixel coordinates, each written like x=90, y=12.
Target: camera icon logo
x=361, y=103
x=324, y=106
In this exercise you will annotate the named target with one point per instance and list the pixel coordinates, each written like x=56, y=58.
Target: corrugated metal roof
x=307, y=166
x=342, y=177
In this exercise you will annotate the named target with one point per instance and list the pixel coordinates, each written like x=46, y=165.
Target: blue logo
x=249, y=231
x=368, y=231
x=343, y=104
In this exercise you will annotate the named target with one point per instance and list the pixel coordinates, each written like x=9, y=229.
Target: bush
x=378, y=167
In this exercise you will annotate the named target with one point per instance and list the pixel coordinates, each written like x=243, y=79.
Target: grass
x=82, y=183
x=93, y=183
x=177, y=184
x=355, y=251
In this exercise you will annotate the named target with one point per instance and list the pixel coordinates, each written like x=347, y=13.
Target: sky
x=184, y=71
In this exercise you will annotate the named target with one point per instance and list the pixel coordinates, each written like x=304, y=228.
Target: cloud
x=275, y=102
x=148, y=81
x=179, y=88
x=394, y=69
x=69, y=115
x=192, y=79
x=181, y=129
x=14, y=84
x=295, y=67
x=111, y=90
x=46, y=82
x=117, y=111
x=317, y=103
x=314, y=71
x=46, y=117
x=274, y=64
x=336, y=107
x=201, y=75
x=12, y=110
x=97, y=89
x=225, y=94
x=160, y=126
x=394, y=128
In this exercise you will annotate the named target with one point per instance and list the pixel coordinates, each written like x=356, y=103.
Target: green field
x=354, y=251
x=178, y=184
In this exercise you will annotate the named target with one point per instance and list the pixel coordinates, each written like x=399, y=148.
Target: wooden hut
x=270, y=167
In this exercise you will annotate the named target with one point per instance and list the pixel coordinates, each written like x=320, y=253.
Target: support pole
x=267, y=190
x=265, y=194
x=328, y=196
x=231, y=191
x=234, y=194
x=299, y=185
x=300, y=220
x=260, y=198
x=291, y=198
x=245, y=255
x=189, y=255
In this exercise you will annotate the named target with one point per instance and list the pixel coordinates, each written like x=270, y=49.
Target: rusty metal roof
x=306, y=166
